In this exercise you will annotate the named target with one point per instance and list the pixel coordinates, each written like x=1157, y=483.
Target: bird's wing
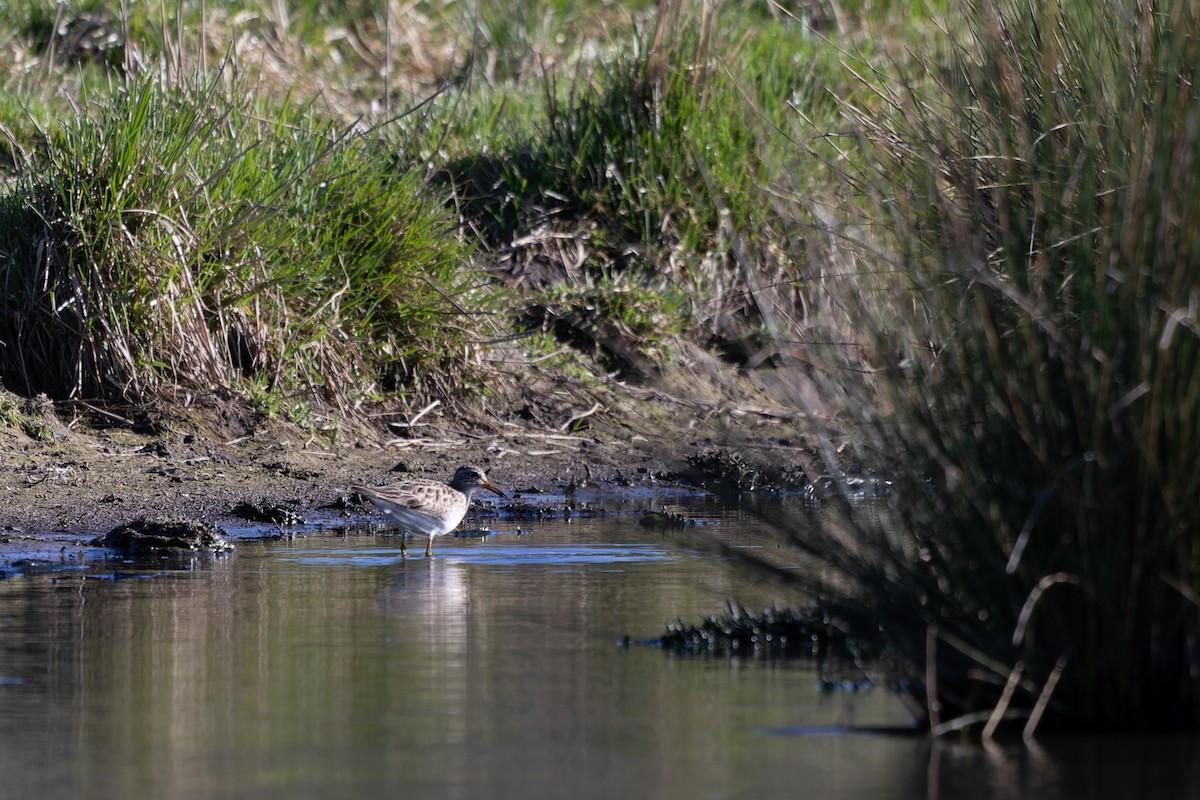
x=414, y=521
x=423, y=497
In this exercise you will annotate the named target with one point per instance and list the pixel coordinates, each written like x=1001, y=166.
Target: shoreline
x=79, y=482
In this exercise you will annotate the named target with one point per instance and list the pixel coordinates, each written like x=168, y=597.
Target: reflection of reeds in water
x=1033, y=344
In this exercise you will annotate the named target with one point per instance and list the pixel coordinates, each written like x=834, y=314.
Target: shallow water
x=328, y=667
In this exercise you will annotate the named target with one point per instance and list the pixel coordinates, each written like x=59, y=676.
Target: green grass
x=644, y=164
x=652, y=165
x=625, y=321
x=23, y=415
x=178, y=240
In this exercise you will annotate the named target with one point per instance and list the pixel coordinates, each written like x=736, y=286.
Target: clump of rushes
x=183, y=240
x=1038, y=362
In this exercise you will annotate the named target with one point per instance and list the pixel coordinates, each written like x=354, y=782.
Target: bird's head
x=471, y=479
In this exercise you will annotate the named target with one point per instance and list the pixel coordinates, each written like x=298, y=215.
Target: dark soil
x=80, y=477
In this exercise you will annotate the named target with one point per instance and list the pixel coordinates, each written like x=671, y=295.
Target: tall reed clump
x=187, y=240
x=1038, y=372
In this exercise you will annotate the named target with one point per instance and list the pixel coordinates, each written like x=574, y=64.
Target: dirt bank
x=74, y=476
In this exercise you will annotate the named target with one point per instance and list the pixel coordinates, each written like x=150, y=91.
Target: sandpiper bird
x=428, y=507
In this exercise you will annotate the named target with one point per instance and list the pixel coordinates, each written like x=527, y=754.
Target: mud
x=76, y=480
x=148, y=535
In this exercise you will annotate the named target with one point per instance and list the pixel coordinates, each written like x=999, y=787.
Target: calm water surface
x=329, y=667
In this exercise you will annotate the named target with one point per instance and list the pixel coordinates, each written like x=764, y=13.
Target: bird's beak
x=492, y=487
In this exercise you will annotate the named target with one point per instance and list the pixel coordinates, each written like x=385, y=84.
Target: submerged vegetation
x=776, y=632
x=969, y=261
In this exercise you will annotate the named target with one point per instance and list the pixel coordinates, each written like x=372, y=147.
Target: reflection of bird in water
x=429, y=508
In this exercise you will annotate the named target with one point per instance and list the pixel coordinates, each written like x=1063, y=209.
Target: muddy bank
x=71, y=479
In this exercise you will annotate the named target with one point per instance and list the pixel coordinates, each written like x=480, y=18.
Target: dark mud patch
x=270, y=513
x=155, y=534
x=730, y=475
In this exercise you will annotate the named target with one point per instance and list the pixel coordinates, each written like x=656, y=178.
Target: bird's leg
x=429, y=547
x=403, y=547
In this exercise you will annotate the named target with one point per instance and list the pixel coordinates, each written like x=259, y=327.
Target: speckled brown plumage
x=429, y=508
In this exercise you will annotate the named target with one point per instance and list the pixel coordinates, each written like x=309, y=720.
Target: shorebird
x=429, y=508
